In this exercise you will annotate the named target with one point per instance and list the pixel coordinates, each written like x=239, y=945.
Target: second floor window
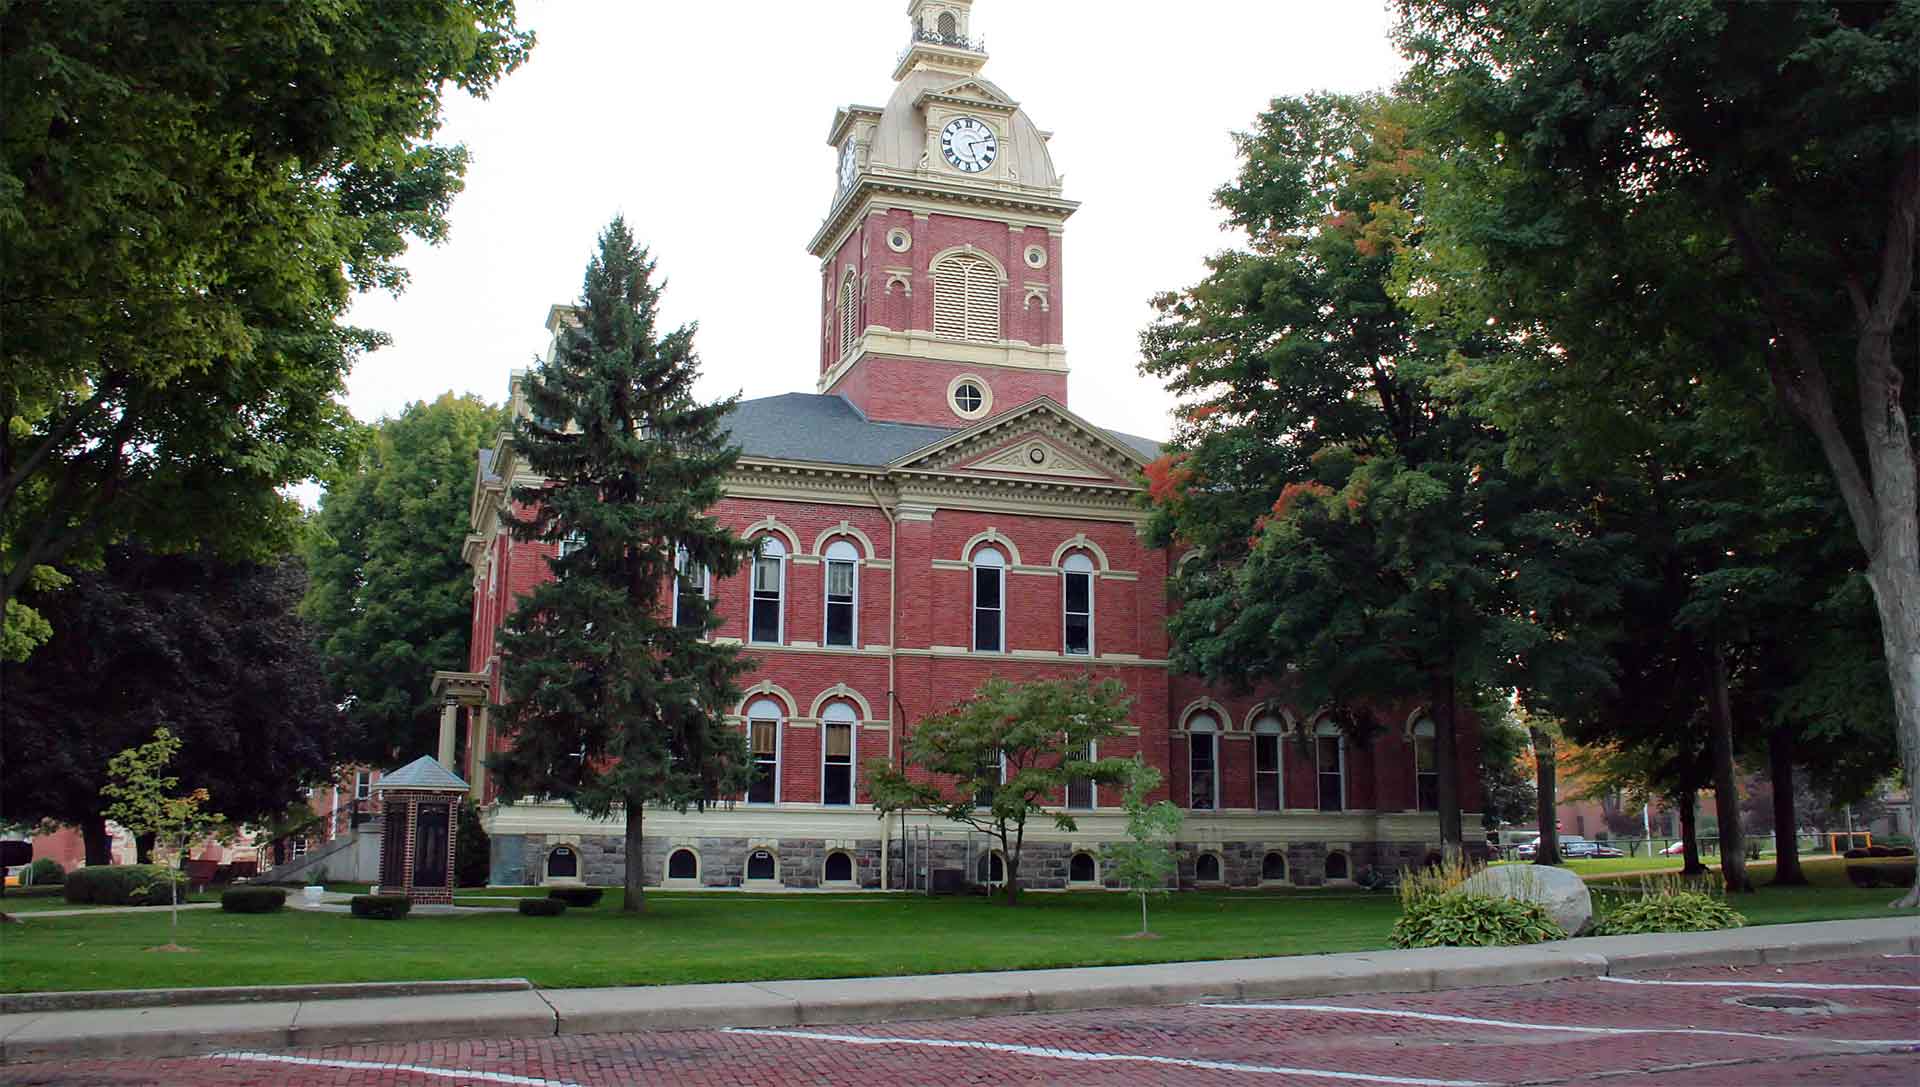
x=689, y=591
x=1080, y=795
x=362, y=784
x=843, y=582
x=989, y=600
x=769, y=583
x=1078, y=605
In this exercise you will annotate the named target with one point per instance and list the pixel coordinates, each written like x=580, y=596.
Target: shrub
x=381, y=907
x=1667, y=909
x=123, y=885
x=252, y=899
x=582, y=897
x=542, y=907
x=1470, y=920
x=46, y=870
x=472, y=850
x=1893, y=871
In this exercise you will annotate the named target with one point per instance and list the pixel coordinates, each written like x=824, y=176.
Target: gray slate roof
x=826, y=429
x=424, y=772
x=830, y=430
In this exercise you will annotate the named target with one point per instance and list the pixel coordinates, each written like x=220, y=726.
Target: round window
x=1036, y=257
x=968, y=398
x=899, y=240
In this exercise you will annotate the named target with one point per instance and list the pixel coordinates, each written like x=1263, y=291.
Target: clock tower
x=940, y=256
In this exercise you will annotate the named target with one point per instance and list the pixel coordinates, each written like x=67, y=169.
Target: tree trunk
x=1012, y=854
x=99, y=844
x=635, y=876
x=1690, y=834
x=1446, y=764
x=1726, y=794
x=1786, y=824
x=1546, y=848
x=1896, y=591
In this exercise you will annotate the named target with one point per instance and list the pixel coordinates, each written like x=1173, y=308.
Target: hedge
x=1881, y=871
x=582, y=897
x=252, y=899
x=542, y=907
x=381, y=907
x=46, y=871
x=123, y=885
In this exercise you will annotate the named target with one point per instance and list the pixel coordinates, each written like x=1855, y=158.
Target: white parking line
x=1140, y=1058
x=1836, y=986
x=461, y=1074
x=1434, y=1017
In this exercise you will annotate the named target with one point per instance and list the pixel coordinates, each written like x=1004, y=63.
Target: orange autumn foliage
x=1168, y=478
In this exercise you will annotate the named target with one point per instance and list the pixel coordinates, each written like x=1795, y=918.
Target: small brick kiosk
x=420, y=803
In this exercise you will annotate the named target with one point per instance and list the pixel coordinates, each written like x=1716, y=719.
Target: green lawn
x=733, y=937
x=37, y=901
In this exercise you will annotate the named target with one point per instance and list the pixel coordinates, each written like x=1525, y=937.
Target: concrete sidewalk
x=278, y=1024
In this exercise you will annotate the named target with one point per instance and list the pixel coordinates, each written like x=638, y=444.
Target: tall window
x=1330, y=761
x=966, y=298
x=1080, y=794
x=837, y=739
x=1203, y=762
x=362, y=784
x=849, y=312
x=1426, y=769
x=989, y=600
x=769, y=582
x=990, y=780
x=843, y=587
x=1077, y=575
x=763, y=741
x=1267, y=786
x=690, y=588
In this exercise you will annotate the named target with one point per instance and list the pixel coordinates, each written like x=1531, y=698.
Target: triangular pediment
x=973, y=92
x=1039, y=440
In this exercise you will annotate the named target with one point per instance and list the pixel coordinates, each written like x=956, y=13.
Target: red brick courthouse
x=931, y=515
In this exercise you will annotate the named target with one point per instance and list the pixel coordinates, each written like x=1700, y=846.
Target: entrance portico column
x=449, y=720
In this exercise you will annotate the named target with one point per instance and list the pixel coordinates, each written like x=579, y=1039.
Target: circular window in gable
x=1036, y=257
x=899, y=240
x=969, y=397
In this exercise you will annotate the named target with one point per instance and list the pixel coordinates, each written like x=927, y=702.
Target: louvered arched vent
x=849, y=313
x=966, y=298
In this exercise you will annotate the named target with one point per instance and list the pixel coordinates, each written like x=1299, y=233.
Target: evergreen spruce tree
x=611, y=703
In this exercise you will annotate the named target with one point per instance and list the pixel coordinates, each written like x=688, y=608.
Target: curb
x=97, y=999
x=514, y=1009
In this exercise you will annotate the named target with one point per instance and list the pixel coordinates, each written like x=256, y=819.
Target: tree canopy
x=214, y=651
x=390, y=593
x=190, y=194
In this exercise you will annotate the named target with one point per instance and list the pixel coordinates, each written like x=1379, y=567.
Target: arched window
x=1080, y=791
x=769, y=586
x=1081, y=869
x=1330, y=762
x=1426, y=768
x=837, y=726
x=761, y=865
x=838, y=869
x=1203, y=762
x=849, y=314
x=949, y=26
x=1077, y=604
x=763, y=741
x=1337, y=866
x=989, y=600
x=843, y=594
x=563, y=863
x=691, y=580
x=966, y=298
x=682, y=864
x=1273, y=868
x=991, y=870
x=1269, y=789
x=1206, y=868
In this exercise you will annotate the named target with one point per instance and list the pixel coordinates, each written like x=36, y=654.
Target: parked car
x=1674, y=850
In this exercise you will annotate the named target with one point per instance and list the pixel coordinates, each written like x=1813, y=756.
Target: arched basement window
x=761, y=865
x=1081, y=869
x=682, y=864
x=1273, y=867
x=1206, y=868
x=838, y=869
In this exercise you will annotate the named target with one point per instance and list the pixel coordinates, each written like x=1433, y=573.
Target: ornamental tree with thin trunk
x=146, y=799
x=1145, y=862
x=612, y=705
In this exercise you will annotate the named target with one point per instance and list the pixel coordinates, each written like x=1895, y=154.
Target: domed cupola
x=942, y=243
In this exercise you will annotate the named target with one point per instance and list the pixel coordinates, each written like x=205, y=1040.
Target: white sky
x=706, y=125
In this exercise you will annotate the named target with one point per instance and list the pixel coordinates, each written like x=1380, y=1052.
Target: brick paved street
x=1863, y=1031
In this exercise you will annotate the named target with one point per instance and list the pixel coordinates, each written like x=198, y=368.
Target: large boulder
x=1561, y=893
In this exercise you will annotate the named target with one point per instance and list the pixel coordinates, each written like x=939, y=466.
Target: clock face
x=969, y=145
x=849, y=167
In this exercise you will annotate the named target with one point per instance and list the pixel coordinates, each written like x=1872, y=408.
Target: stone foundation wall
x=799, y=863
